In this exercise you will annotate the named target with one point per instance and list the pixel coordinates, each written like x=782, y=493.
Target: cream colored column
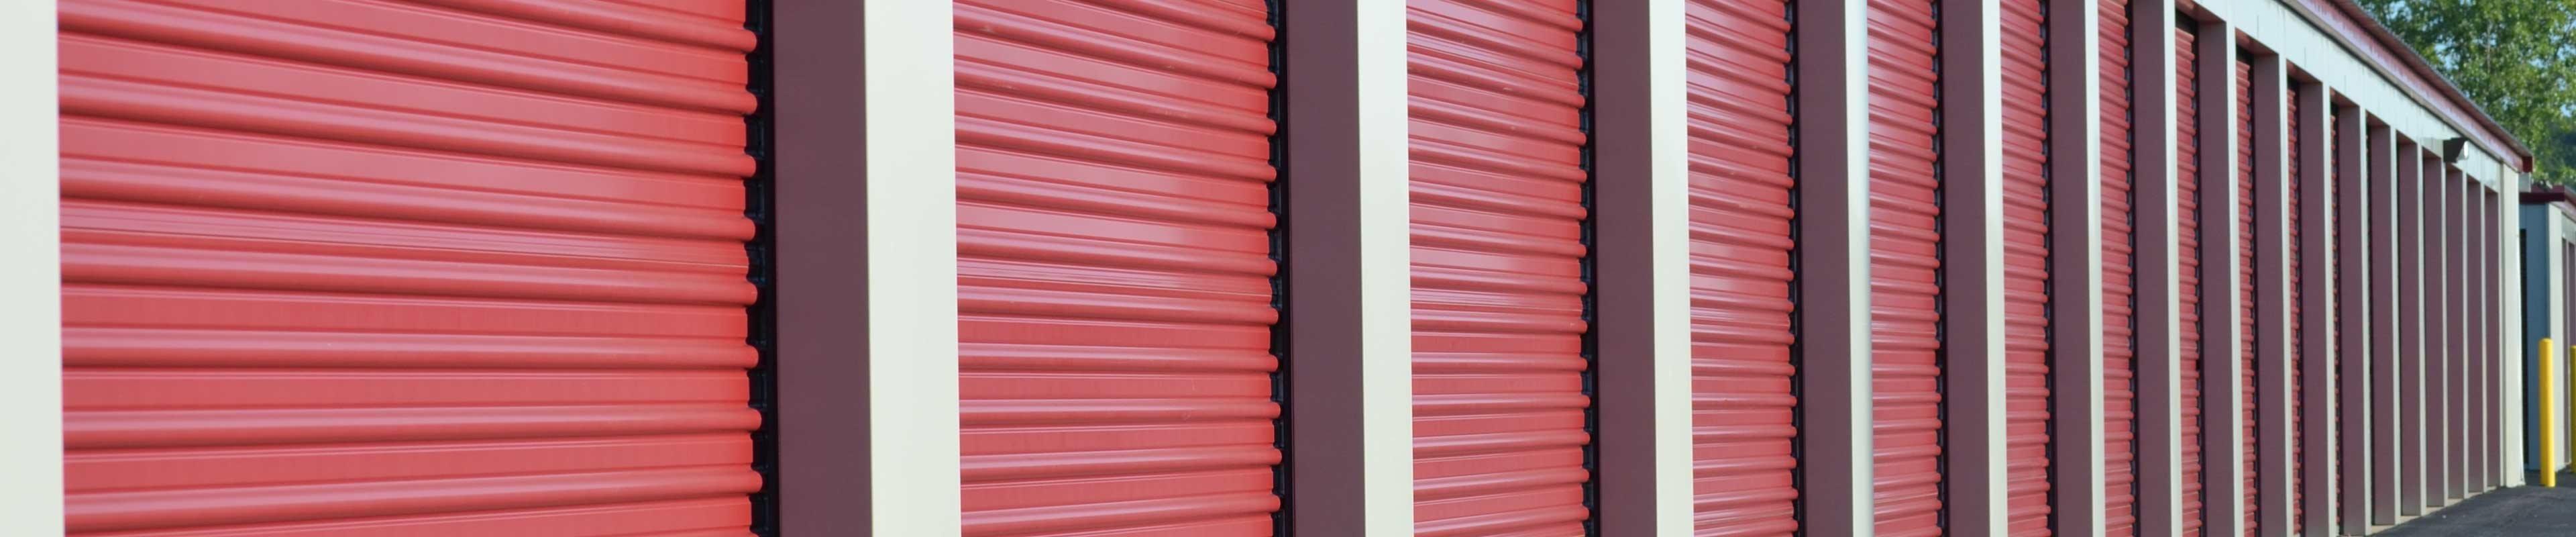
x=31, y=455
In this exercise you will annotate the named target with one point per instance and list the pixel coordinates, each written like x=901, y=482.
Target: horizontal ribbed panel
x=2250, y=467
x=1498, y=280
x=441, y=268
x=1114, y=292
x=2026, y=258
x=2298, y=300
x=2190, y=260
x=2119, y=274
x=1744, y=409
x=1905, y=266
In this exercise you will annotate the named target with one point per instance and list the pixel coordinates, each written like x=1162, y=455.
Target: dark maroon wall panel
x=1744, y=477
x=2025, y=150
x=2189, y=260
x=439, y=268
x=1905, y=266
x=1497, y=182
x=2119, y=272
x=1114, y=267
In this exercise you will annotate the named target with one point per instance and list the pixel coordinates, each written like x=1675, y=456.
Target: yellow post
x=2548, y=414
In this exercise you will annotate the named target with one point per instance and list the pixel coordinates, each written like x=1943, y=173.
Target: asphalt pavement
x=2515, y=512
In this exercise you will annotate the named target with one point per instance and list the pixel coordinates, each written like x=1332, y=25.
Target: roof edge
x=2415, y=65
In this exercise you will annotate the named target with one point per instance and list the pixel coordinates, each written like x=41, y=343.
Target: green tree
x=2515, y=58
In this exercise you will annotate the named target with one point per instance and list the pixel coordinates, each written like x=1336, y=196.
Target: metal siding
x=358, y=268
x=1114, y=295
x=2119, y=275
x=2026, y=301
x=1905, y=262
x=2299, y=256
x=1498, y=283
x=2189, y=261
x=2331, y=457
x=1744, y=411
x=2245, y=238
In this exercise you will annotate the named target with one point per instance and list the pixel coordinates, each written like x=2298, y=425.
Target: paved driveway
x=2513, y=512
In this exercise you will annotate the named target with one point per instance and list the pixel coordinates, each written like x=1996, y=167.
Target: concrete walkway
x=2513, y=512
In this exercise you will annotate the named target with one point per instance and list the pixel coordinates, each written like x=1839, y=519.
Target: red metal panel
x=1498, y=268
x=2249, y=467
x=1743, y=410
x=2025, y=150
x=2189, y=262
x=2119, y=272
x=446, y=268
x=2299, y=362
x=1905, y=262
x=1114, y=268
x=2334, y=288
x=2298, y=294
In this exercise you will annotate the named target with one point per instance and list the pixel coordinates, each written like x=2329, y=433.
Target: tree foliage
x=2515, y=58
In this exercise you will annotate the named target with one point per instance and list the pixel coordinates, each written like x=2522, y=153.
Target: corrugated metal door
x=2298, y=322
x=2248, y=467
x=2119, y=294
x=2189, y=261
x=1114, y=267
x=2334, y=289
x=1905, y=265
x=443, y=268
x=1498, y=270
x=1744, y=412
x=2025, y=150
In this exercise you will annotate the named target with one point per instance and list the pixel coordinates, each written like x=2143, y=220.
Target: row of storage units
x=1317, y=267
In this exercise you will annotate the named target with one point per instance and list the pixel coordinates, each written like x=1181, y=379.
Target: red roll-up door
x=2299, y=360
x=2298, y=322
x=2119, y=273
x=1905, y=266
x=2245, y=274
x=2334, y=289
x=2189, y=261
x=1744, y=411
x=2025, y=150
x=1498, y=282
x=438, y=268
x=1114, y=267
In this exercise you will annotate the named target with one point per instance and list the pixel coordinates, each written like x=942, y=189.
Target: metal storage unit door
x=1114, y=267
x=2334, y=290
x=1905, y=263
x=439, y=268
x=2189, y=261
x=2119, y=294
x=1498, y=268
x=1744, y=413
x=2248, y=467
x=2298, y=320
x=2026, y=307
